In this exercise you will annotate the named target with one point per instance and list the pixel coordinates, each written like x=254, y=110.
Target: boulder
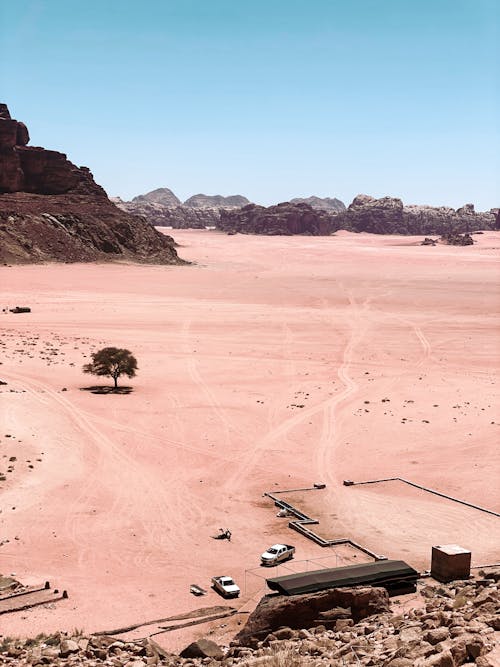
x=303, y=611
x=23, y=136
x=437, y=635
x=444, y=659
x=202, y=648
x=67, y=647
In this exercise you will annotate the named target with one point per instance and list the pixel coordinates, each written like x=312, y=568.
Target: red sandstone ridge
x=52, y=210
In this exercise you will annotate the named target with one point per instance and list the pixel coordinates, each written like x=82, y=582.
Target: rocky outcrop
x=388, y=215
x=177, y=217
x=162, y=208
x=52, y=210
x=37, y=170
x=285, y=219
x=449, y=626
x=321, y=203
x=216, y=201
x=457, y=239
x=202, y=648
x=304, y=611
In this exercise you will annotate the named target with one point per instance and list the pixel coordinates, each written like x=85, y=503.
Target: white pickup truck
x=225, y=586
x=277, y=554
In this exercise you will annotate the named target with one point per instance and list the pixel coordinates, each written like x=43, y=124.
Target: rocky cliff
x=52, y=210
x=387, y=215
x=285, y=218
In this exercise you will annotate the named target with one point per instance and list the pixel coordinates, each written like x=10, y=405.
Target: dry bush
x=459, y=601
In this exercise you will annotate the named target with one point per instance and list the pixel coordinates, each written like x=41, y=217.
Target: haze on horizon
x=271, y=100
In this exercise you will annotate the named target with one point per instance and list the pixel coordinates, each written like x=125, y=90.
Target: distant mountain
x=216, y=201
x=161, y=208
x=323, y=204
x=162, y=196
x=177, y=217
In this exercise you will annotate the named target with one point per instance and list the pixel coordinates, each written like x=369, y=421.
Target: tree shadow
x=106, y=389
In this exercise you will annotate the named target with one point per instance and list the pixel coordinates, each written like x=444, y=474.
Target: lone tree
x=112, y=362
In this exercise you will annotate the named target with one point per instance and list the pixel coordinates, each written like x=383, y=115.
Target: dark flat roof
x=382, y=573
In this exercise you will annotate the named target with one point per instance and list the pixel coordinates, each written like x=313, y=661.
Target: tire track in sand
x=326, y=407
x=126, y=481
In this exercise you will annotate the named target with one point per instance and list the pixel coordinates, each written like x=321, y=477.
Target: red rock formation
x=284, y=218
x=50, y=209
x=303, y=611
x=34, y=169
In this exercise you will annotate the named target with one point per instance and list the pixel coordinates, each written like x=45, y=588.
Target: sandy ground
x=272, y=363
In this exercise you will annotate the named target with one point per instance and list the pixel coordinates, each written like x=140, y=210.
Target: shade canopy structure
x=395, y=576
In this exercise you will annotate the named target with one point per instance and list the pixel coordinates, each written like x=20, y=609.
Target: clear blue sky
x=267, y=98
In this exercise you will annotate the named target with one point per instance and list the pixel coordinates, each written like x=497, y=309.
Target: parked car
x=225, y=586
x=277, y=554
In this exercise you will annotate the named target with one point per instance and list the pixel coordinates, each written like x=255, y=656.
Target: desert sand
x=269, y=364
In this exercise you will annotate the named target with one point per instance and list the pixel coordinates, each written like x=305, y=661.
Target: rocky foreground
x=451, y=625
x=52, y=210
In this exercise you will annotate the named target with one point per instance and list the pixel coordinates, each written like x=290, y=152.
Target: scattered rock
x=202, y=648
x=440, y=635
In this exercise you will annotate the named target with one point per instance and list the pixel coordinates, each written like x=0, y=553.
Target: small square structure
x=450, y=562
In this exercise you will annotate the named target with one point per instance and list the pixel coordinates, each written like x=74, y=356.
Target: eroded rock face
x=303, y=611
x=285, y=219
x=389, y=215
x=33, y=169
x=50, y=209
